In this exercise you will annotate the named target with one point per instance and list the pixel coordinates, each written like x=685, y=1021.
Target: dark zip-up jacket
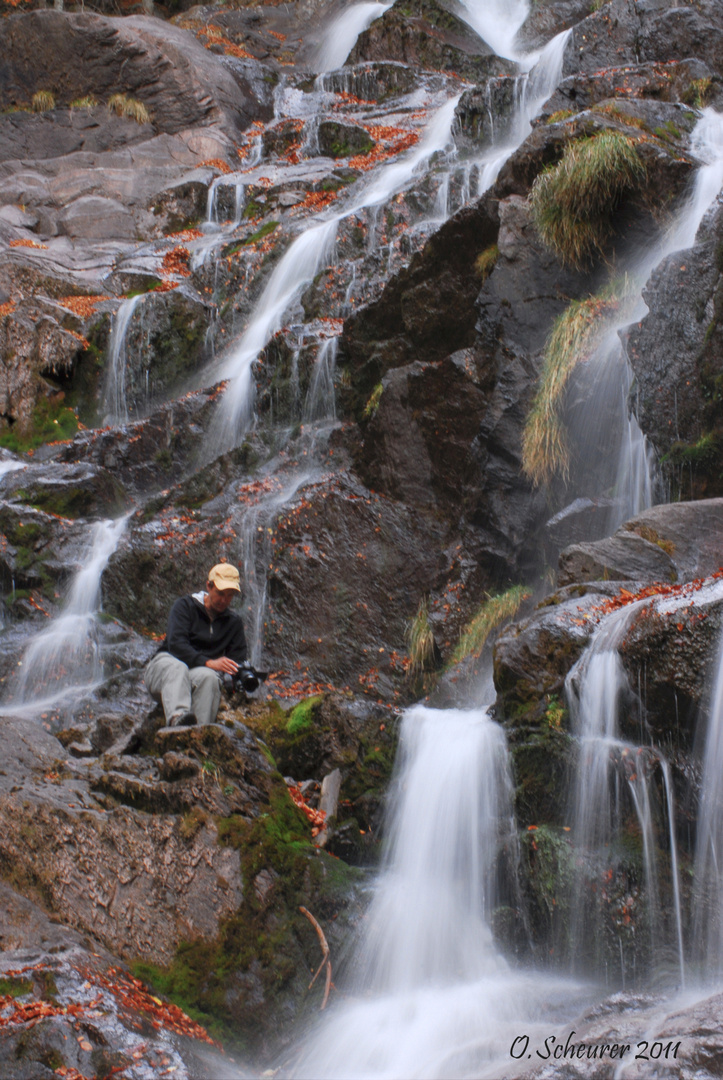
x=193, y=638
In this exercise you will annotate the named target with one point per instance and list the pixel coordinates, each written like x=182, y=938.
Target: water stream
x=63, y=660
x=432, y=996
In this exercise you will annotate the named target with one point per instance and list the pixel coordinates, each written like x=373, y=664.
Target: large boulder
x=182, y=84
x=425, y=34
x=674, y=542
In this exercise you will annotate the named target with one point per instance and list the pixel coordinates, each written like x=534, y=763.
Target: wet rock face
x=676, y=542
x=623, y=32
x=182, y=84
x=679, y=392
x=426, y=35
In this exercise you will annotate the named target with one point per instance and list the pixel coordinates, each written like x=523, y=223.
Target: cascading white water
x=252, y=526
x=608, y=768
x=308, y=253
x=607, y=374
x=444, y=1002
x=64, y=658
x=115, y=404
x=320, y=404
x=497, y=22
x=341, y=34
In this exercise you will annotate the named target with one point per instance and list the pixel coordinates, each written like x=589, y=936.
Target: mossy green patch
x=15, y=987
x=302, y=715
x=52, y=421
x=240, y=984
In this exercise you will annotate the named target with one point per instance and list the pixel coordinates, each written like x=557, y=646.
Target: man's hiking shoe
x=185, y=719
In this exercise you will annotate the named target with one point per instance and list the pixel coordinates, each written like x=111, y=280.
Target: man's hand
x=224, y=664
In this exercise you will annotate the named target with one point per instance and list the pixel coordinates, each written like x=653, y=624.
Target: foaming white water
x=65, y=658
x=308, y=253
x=427, y=923
x=341, y=34
x=444, y=1002
x=497, y=22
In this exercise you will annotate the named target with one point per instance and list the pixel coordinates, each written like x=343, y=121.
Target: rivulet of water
x=64, y=658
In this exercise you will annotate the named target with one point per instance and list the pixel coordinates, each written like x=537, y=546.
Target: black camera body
x=247, y=678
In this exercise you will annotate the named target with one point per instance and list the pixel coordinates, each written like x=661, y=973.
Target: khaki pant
x=181, y=689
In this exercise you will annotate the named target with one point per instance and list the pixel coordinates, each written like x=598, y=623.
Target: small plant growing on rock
x=698, y=92
x=545, y=449
x=370, y=409
x=485, y=262
x=87, y=102
x=573, y=202
x=420, y=641
x=494, y=610
x=43, y=101
x=130, y=108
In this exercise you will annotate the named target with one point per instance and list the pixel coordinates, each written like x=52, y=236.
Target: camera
x=248, y=678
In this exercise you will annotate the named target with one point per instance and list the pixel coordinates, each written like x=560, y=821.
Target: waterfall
x=115, y=404
x=64, y=658
x=252, y=526
x=310, y=251
x=320, y=404
x=445, y=1003
x=497, y=22
x=605, y=381
x=612, y=777
x=341, y=34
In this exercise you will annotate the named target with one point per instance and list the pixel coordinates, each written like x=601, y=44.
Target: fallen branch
x=325, y=961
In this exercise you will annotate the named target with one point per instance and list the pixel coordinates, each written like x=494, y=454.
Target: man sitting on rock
x=204, y=641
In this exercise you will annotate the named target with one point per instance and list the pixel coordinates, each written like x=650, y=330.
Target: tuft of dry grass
x=130, y=108
x=43, y=101
x=420, y=641
x=545, y=449
x=494, y=611
x=573, y=202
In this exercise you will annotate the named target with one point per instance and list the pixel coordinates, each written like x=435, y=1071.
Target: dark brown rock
x=425, y=34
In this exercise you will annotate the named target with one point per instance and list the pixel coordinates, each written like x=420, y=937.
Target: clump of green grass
x=545, y=448
x=130, y=108
x=485, y=262
x=573, y=202
x=43, y=101
x=560, y=115
x=697, y=93
x=420, y=641
x=87, y=102
x=493, y=611
x=370, y=409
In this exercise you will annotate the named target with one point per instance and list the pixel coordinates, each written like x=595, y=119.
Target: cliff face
x=370, y=334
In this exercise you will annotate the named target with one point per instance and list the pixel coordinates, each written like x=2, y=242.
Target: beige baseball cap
x=225, y=576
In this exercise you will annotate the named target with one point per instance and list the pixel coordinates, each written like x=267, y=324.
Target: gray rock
x=673, y=542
